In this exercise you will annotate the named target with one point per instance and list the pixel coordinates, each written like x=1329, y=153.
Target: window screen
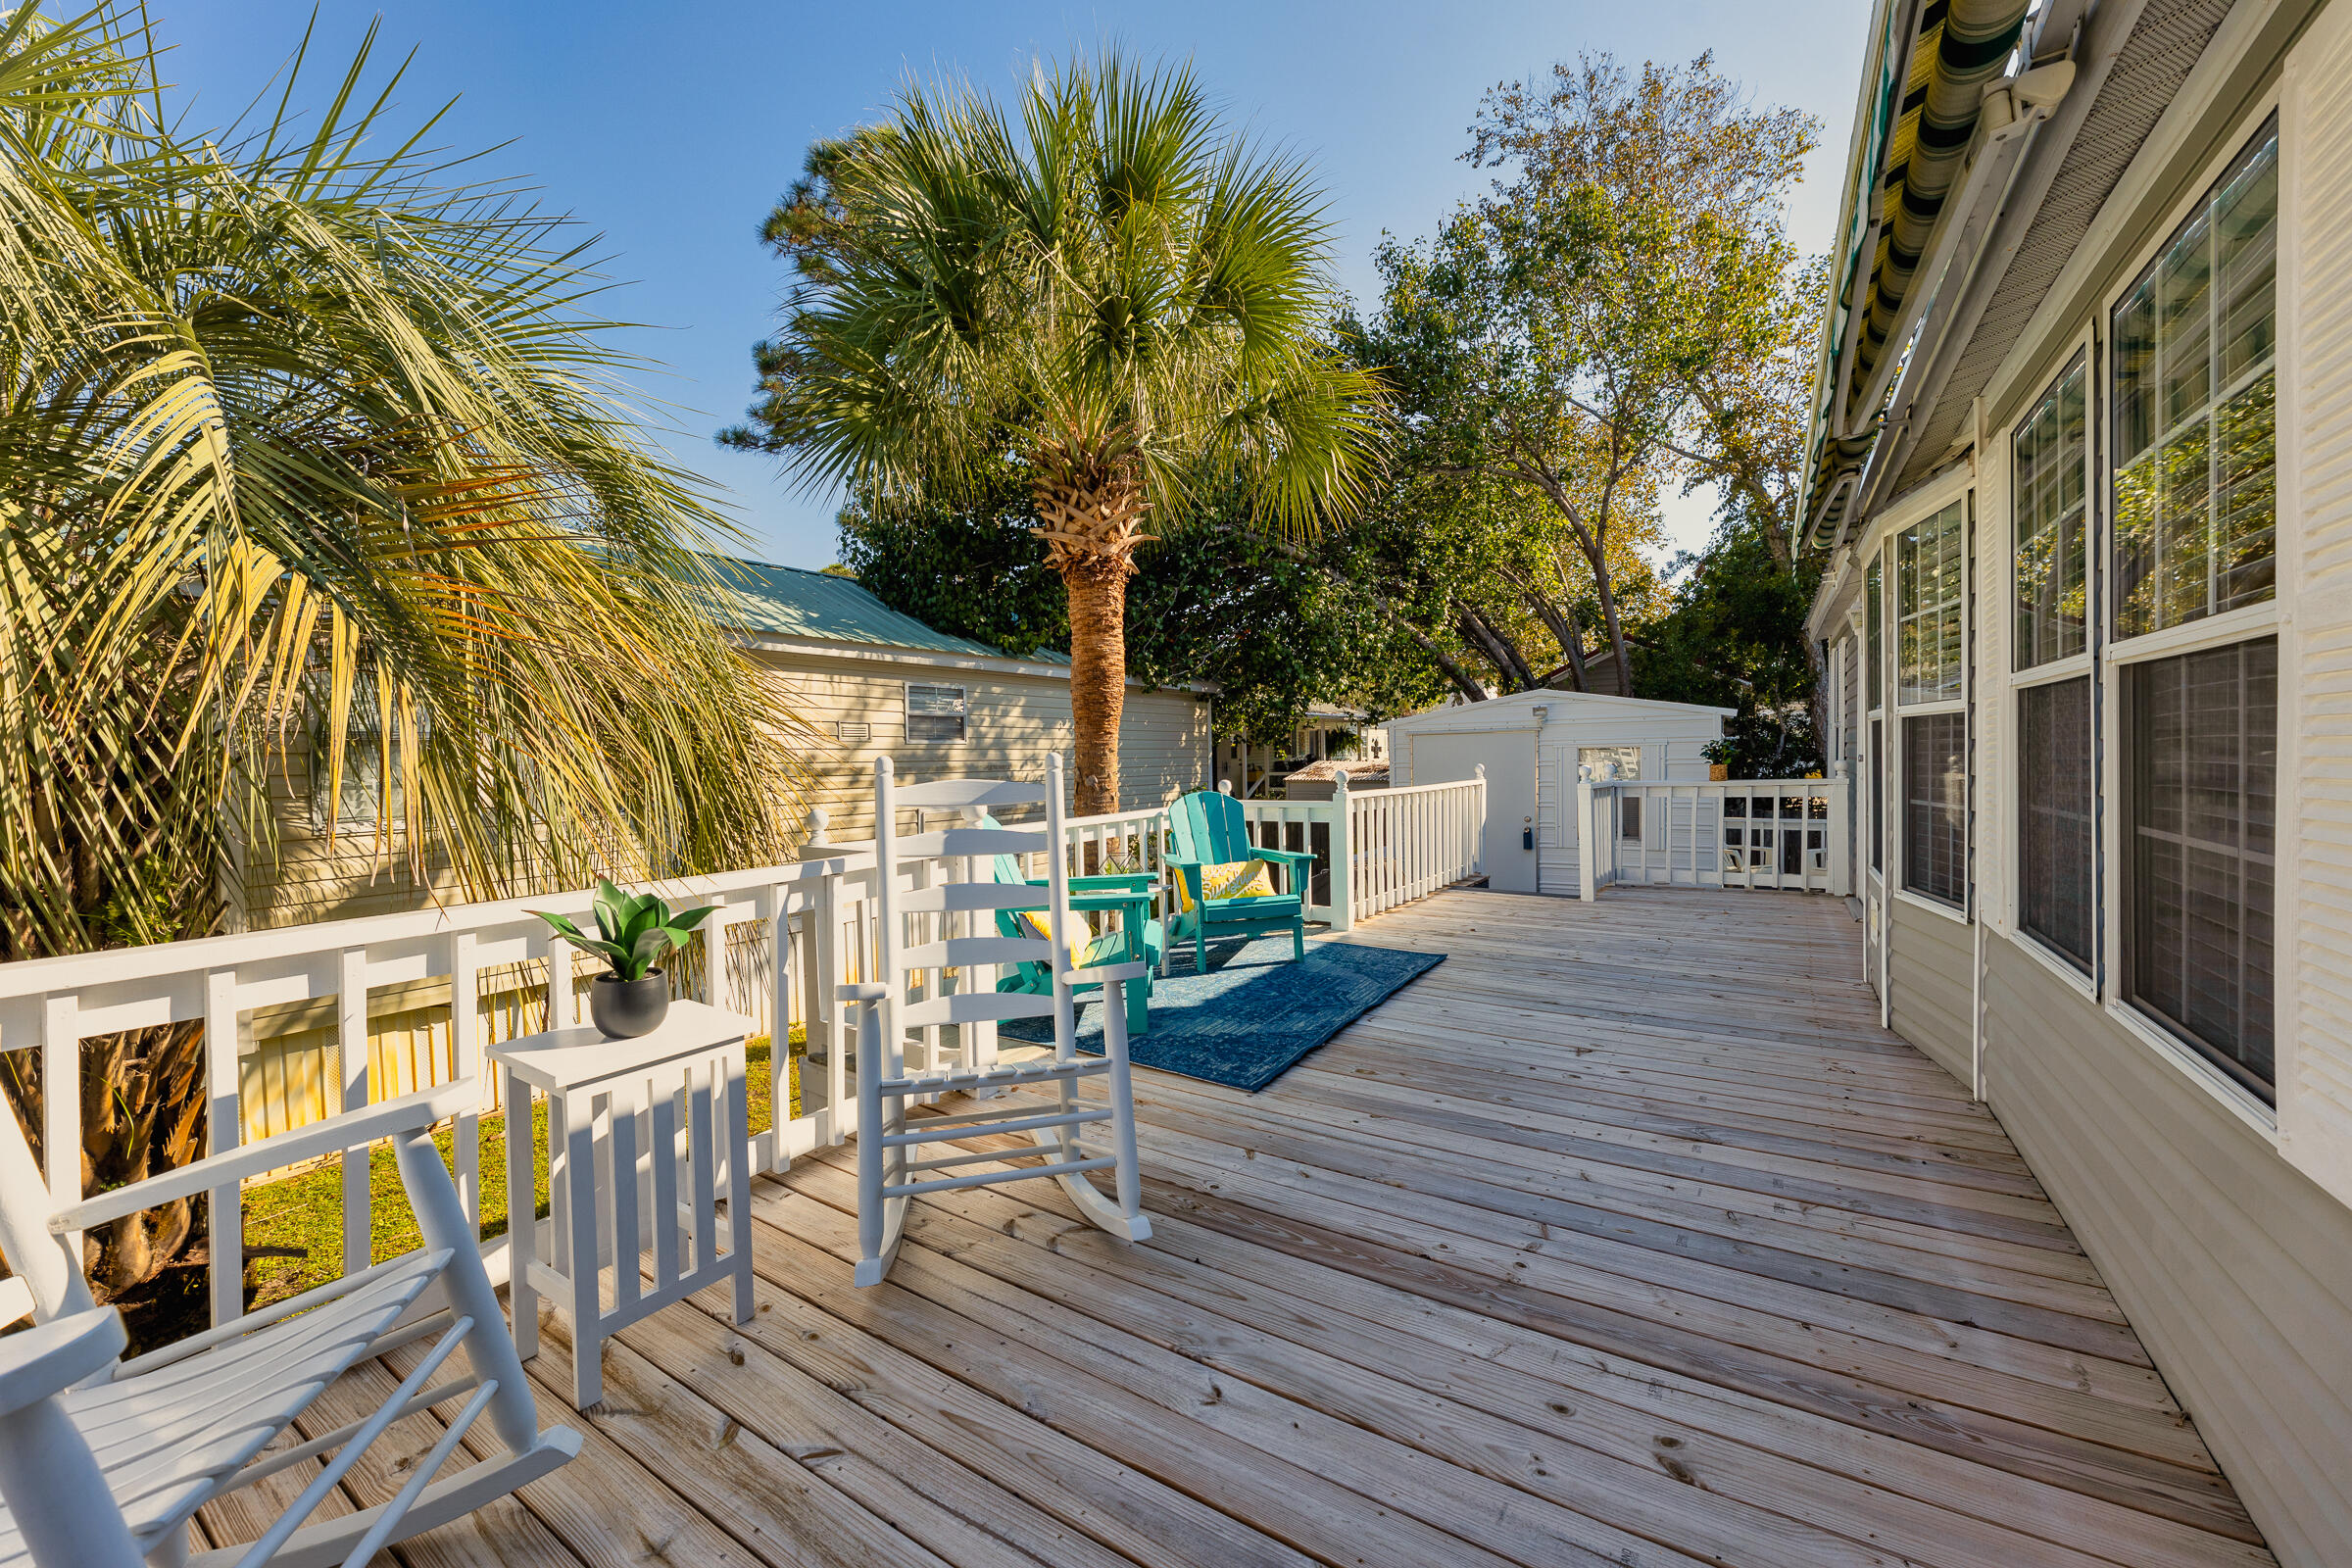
x=2054, y=817
x=1930, y=573
x=2050, y=510
x=935, y=713
x=1875, y=614
x=1935, y=806
x=2195, y=419
x=2202, y=744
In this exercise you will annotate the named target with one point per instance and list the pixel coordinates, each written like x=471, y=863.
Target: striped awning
x=1961, y=46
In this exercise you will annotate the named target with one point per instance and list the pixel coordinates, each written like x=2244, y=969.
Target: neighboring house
x=1326, y=734
x=2081, y=456
x=872, y=682
x=1531, y=744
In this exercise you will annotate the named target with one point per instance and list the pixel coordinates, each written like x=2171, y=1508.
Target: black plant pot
x=626, y=1009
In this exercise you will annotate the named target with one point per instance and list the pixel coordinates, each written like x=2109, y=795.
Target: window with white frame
x=2200, y=814
x=1931, y=608
x=2057, y=846
x=935, y=713
x=363, y=797
x=1620, y=762
x=2195, y=393
x=1931, y=586
x=2194, y=488
x=1874, y=617
x=2048, y=502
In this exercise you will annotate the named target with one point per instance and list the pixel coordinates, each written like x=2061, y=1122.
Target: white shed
x=1532, y=744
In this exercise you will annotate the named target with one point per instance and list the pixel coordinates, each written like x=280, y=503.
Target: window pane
x=934, y=713
x=1930, y=564
x=1935, y=806
x=2048, y=505
x=2184, y=325
x=2202, y=743
x=2134, y=370
x=2054, y=812
x=2246, y=260
x=2195, y=426
x=2246, y=514
x=1874, y=612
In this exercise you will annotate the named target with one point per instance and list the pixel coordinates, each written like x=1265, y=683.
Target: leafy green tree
x=976, y=569
x=1275, y=625
x=1270, y=622
x=1736, y=638
x=1614, y=314
x=1120, y=292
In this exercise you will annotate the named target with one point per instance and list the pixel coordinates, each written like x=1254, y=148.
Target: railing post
x=1841, y=852
x=1342, y=855
x=1478, y=827
x=1583, y=839
x=224, y=1130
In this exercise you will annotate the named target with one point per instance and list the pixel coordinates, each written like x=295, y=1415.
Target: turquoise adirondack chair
x=1129, y=894
x=1208, y=829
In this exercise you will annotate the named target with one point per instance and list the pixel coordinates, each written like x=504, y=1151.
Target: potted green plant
x=632, y=997
x=1719, y=753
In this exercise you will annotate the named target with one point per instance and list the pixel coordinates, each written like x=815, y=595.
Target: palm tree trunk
x=1097, y=590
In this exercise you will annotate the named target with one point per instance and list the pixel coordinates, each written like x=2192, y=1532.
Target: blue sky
x=671, y=131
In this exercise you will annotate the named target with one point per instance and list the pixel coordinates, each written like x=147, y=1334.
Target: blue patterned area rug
x=1254, y=1014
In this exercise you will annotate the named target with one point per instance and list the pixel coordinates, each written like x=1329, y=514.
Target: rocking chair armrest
x=869, y=991
x=353, y=1129
x=53, y=1357
x=1105, y=971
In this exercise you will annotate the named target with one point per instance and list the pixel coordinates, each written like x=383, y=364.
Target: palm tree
x=300, y=441
x=1124, y=297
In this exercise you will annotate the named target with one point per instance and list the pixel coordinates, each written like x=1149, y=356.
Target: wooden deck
x=1624, y=1236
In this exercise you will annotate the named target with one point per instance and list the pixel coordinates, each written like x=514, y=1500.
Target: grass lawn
x=300, y=1219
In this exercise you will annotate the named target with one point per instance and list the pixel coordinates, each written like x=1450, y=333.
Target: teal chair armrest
x=1295, y=856
x=1136, y=881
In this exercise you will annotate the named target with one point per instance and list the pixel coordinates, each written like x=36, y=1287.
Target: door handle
x=1527, y=835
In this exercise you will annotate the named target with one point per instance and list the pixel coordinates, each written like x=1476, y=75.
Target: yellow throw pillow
x=1039, y=924
x=1095, y=947
x=1235, y=879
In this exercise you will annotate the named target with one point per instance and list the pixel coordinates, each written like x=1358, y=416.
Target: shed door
x=1509, y=757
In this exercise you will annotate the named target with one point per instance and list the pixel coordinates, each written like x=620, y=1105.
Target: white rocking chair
x=104, y=1463
x=965, y=893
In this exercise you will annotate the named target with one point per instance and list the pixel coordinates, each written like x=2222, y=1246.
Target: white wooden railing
x=1408, y=842
x=1784, y=833
x=788, y=934
x=782, y=939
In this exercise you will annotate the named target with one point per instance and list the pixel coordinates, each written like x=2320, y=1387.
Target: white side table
x=642, y=1135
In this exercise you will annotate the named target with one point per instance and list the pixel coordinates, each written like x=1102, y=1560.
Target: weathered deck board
x=1624, y=1236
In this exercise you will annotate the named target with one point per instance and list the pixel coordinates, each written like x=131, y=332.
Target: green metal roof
x=789, y=602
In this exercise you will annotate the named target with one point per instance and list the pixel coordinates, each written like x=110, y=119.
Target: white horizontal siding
x=1013, y=724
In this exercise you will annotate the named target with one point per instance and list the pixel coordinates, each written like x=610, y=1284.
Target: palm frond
x=312, y=444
